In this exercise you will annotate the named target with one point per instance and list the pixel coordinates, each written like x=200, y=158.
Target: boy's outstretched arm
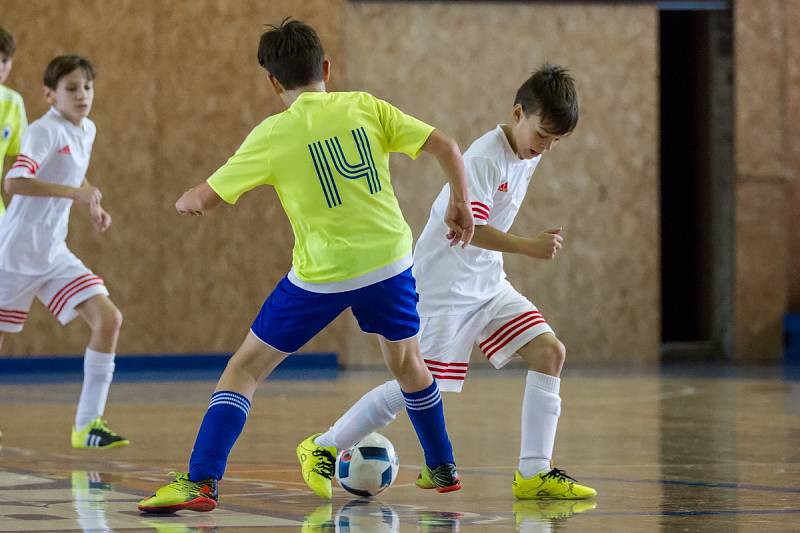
x=35, y=187
x=197, y=200
x=458, y=216
x=543, y=246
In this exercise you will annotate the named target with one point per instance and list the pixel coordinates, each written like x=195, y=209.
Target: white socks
x=376, y=409
x=541, y=406
x=98, y=369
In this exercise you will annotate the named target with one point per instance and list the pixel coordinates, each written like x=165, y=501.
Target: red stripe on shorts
x=507, y=325
x=10, y=316
x=442, y=376
x=442, y=370
x=57, y=298
x=512, y=334
x=96, y=280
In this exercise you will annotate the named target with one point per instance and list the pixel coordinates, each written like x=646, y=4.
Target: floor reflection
x=372, y=516
x=89, y=501
x=544, y=516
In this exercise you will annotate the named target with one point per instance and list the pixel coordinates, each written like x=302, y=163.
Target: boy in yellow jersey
x=12, y=109
x=327, y=156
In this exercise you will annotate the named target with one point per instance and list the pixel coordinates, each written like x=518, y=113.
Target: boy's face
x=72, y=96
x=531, y=135
x=5, y=66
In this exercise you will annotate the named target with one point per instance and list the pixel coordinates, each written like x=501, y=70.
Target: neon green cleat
x=97, y=434
x=319, y=520
x=553, y=485
x=317, y=464
x=533, y=511
x=443, y=478
x=182, y=494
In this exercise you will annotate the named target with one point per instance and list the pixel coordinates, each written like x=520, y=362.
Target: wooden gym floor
x=667, y=451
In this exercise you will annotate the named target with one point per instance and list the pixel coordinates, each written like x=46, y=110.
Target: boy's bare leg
x=249, y=366
x=104, y=320
x=405, y=362
x=545, y=354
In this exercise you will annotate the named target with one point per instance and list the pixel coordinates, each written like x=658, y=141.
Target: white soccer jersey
x=452, y=280
x=34, y=230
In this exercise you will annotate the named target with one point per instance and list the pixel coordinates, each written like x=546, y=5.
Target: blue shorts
x=291, y=316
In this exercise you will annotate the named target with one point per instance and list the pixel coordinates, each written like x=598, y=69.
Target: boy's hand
x=458, y=218
x=197, y=200
x=546, y=244
x=101, y=220
x=87, y=194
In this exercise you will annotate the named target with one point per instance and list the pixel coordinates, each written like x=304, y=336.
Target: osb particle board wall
x=178, y=89
x=767, y=47
x=459, y=66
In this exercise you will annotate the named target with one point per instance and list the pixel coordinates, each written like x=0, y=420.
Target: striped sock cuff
x=424, y=399
x=234, y=399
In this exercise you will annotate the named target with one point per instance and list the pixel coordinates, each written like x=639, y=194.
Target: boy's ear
x=276, y=85
x=517, y=112
x=326, y=70
x=49, y=95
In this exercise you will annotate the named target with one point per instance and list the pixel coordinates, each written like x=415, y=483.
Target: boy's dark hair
x=63, y=65
x=7, y=43
x=550, y=93
x=292, y=52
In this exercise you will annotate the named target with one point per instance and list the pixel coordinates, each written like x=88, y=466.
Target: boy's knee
x=111, y=320
x=557, y=352
x=546, y=353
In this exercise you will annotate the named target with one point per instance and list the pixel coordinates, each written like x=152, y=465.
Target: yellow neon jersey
x=12, y=125
x=328, y=158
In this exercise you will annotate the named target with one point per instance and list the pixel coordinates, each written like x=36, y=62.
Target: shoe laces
x=444, y=474
x=101, y=425
x=182, y=481
x=326, y=465
x=559, y=475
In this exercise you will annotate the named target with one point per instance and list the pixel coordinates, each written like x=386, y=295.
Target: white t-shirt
x=34, y=230
x=454, y=280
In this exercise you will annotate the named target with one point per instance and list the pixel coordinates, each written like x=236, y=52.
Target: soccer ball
x=369, y=467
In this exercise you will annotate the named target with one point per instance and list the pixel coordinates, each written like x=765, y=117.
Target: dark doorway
x=696, y=181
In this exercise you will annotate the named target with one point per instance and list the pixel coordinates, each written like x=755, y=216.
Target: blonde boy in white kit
x=48, y=176
x=465, y=298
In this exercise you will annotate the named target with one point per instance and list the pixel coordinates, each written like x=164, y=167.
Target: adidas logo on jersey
x=65, y=150
x=503, y=187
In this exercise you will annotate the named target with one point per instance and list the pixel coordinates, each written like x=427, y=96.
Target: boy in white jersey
x=48, y=176
x=13, y=120
x=465, y=298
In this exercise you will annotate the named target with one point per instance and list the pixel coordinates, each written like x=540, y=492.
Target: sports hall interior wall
x=178, y=88
x=767, y=159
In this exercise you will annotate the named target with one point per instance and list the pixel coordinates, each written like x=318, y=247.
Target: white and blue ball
x=369, y=467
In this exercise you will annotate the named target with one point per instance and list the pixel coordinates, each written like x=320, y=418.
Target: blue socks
x=427, y=416
x=222, y=425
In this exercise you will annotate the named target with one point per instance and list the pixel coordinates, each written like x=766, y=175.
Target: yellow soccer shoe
x=182, y=494
x=552, y=485
x=317, y=464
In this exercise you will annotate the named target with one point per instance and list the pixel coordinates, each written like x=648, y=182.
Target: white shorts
x=500, y=327
x=61, y=290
